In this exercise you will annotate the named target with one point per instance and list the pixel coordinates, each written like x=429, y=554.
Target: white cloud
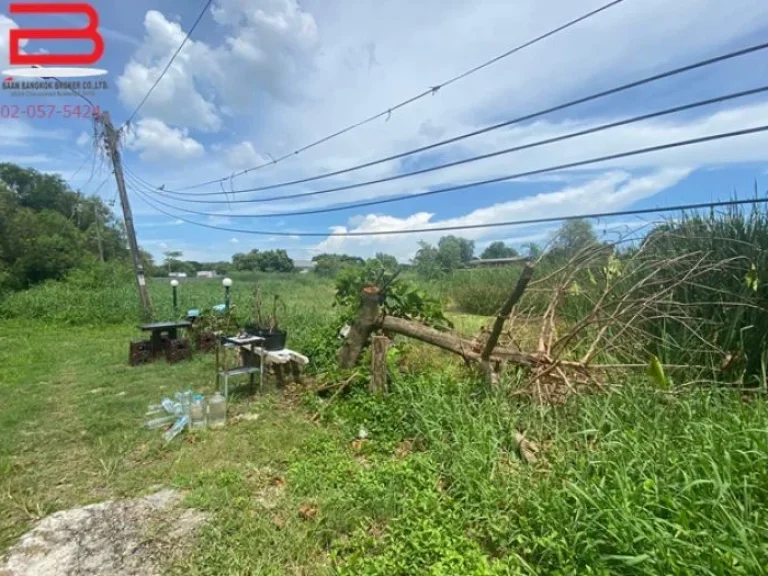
x=265, y=50
x=234, y=241
x=83, y=140
x=175, y=98
x=610, y=192
x=241, y=156
x=158, y=142
x=6, y=25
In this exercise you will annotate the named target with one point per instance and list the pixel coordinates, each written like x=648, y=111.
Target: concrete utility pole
x=111, y=137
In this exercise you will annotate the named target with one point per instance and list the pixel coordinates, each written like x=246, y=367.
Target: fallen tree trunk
x=369, y=320
x=451, y=341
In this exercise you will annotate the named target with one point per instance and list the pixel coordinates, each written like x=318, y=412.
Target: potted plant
x=274, y=337
x=255, y=324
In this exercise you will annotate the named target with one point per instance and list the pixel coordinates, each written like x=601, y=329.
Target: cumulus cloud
x=242, y=155
x=157, y=142
x=266, y=47
x=175, y=98
x=609, y=192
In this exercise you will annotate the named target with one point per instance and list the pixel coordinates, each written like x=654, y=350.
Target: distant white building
x=177, y=275
x=206, y=274
x=304, y=266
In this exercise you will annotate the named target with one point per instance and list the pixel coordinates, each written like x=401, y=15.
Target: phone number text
x=32, y=111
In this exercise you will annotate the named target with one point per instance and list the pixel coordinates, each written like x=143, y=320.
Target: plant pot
x=274, y=340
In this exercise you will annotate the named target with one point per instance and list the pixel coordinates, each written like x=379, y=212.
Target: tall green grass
x=731, y=299
x=635, y=482
x=107, y=295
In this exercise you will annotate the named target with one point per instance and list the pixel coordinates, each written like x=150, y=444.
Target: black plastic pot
x=273, y=339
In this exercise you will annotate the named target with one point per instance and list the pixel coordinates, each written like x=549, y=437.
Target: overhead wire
x=170, y=62
x=510, y=223
x=486, y=129
x=506, y=178
x=85, y=161
x=430, y=91
x=538, y=143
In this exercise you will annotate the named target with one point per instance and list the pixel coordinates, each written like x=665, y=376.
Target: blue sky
x=264, y=77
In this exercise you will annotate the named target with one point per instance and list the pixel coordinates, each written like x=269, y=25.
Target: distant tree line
x=47, y=229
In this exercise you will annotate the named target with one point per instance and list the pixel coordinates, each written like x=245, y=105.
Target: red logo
x=90, y=32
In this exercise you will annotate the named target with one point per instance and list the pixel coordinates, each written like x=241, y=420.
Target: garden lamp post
x=174, y=286
x=227, y=283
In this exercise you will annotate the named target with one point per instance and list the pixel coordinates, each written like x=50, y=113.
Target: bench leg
x=279, y=375
x=296, y=372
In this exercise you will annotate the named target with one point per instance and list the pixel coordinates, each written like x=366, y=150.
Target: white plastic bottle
x=217, y=411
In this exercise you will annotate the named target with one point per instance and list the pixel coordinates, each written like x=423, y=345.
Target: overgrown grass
x=634, y=483
x=107, y=295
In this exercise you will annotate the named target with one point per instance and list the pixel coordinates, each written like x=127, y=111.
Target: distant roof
x=304, y=264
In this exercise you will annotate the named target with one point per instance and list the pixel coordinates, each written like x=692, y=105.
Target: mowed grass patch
x=72, y=432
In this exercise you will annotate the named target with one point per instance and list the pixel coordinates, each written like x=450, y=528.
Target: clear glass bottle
x=217, y=411
x=197, y=416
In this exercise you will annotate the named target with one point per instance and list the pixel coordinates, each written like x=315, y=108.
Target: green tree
x=37, y=211
x=384, y=260
x=172, y=259
x=573, y=236
x=47, y=246
x=275, y=261
x=329, y=265
x=246, y=262
x=426, y=262
x=533, y=250
x=498, y=250
x=453, y=252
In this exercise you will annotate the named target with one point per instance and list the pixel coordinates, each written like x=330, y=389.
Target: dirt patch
x=131, y=537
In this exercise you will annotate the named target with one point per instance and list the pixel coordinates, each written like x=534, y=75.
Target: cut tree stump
x=362, y=328
x=380, y=345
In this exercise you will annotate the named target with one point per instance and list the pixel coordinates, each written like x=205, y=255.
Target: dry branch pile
x=597, y=312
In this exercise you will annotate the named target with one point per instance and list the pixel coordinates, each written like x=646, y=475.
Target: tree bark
x=485, y=364
x=379, y=347
x=446, y=340
x=506, y=310
x=450, y=341
x=361, y=329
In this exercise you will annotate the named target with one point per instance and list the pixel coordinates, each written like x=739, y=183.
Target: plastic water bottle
x=217, y=411
x=197, y=413
x=181, y=423
x=160, y=422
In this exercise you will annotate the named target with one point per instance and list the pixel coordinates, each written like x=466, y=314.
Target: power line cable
x=170, y=62
x=411, y=100
x=85, y=161
x=530, y=221
x=557, y=168
x=504, y=124
x=561, y=138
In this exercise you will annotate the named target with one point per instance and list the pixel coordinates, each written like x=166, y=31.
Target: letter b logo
x=90, y=32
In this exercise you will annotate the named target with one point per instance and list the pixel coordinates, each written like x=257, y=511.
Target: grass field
x=635, y=482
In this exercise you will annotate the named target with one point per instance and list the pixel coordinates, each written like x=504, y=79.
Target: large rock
x=135, y=537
